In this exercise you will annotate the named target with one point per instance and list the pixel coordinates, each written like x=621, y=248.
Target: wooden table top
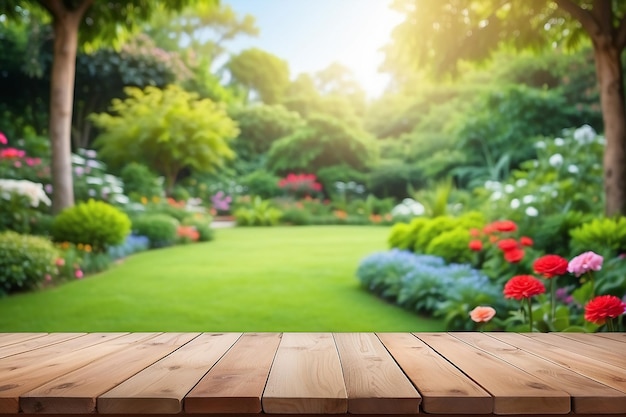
x=313, y=373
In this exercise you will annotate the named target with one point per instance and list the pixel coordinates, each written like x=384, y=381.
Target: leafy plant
x=93, y=223
x=259, y=213
x=25, y=261
x=160, y=229
x=609, y=234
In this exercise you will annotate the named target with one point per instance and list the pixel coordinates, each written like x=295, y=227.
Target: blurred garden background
x=484, y=188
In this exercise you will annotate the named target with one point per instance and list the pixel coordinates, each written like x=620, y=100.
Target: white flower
x=509, y=188
x=78, y=160
x=529, y=199
x=531, y=211
x=572, y=169
x=94, y=181
x=515, y=203
x=33, y=191
x=540, y=145
x=522, y=182
x=408, y=207
x=584, y=134
x=556, y=160
x=493, y=185
x=497, y=195
x=559, y=141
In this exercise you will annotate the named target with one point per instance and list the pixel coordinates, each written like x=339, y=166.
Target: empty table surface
x=450, y=374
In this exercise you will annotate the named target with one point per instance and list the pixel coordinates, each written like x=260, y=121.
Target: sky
x=312, y=34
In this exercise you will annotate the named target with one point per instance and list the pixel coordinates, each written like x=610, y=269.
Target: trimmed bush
x=600, y=235
x=160, y=229
x=202, y=225
x=93, y=223
x=25, y=261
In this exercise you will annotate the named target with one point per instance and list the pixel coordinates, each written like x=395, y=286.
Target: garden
x=455, y=206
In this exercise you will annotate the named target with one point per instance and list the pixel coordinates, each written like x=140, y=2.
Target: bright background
x=312, y=34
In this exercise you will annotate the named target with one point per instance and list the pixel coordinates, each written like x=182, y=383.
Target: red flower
x=523, y=286
x=603, y=307
x=509, y=244
x=474, y=232
x=526, y=241
x=504, y=226
x=476, y=245
x=550, y=266
x=514, y=256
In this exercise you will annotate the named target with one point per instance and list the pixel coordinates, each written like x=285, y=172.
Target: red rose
x=550, y=266
x=603, y=307
x=526, y=241
x=523, y=286
x=476, y=245
x=504, y=226
x=514, y=256
x=506, y=245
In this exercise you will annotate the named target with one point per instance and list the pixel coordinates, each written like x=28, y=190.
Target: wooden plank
x=36, y=343
x=76, y=391
x=451, y=392
x=34, y=368
x=161, y=387
x=588, y=396
x=374, y=382
x=602, y=372
x=236, y=383
x=587, y=344
x=620, y=337
x=514, y=391
x=11, y=338
x=306, y=377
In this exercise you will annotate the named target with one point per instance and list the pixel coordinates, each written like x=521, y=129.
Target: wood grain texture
x=76, y=391
x=21, y=373
x=514, y=390
x=602, y=372
x=586, y=344
x=443, y=387
x=161, y=387
x=306, y=377
x=588, y=396
x=29, y=344
x=374, y=382
x=12, y=338
x=236, y=383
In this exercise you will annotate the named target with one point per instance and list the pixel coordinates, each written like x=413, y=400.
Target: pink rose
x=482, y=314
x=585, y=262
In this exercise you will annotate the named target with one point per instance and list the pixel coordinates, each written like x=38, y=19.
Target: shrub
x=202, y=224
x=607, y=235
x=453, y=246
x=93, y=223
x=139, y=181
x=260, y=213
x=25, y=261
x=21, y=204
x=160, y=229
x=261, y=183
x=296, y=216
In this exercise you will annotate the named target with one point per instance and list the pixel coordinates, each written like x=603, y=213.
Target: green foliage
x=332, y=176
x=202, y=224
x=139, y=181
x=261, y=183
x=167, y=130
x=93, y=223
x=160, y=229
x=296, y=216
x=452, y=245
x=262, y=72
x=399, y=236
x=394, y=179
x=325, y=141
x=259, y=213
x=606, y=236
x=25, y=261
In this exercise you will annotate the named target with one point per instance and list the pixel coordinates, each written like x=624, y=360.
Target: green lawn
x=247, y=279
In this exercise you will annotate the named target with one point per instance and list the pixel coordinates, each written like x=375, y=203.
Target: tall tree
x=444, y=32
x=261, y=72
x=96, y=21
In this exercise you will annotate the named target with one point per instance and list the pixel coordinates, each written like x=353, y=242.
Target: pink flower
x=482, y=314
x=3, y=139
x=78, y=274
x=60, y=262
x=585, y=262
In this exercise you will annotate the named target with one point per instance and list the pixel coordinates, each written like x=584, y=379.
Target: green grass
x=247, y=279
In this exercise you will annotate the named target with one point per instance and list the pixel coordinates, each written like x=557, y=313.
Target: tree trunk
x=61, y=101
x=610, y=79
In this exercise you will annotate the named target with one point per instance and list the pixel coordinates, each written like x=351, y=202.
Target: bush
x=25, y=261
x=139, y=181
x=453, y=246
x=93, y=223
x=160, y=229
x=202, y=224
x=296, y=216
x=261, y=183
x=260, y=213
x=21, y=205
x=606, y=236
